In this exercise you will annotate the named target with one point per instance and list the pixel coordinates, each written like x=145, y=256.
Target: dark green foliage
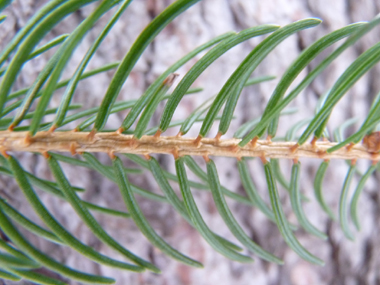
x=197, y=219
x=140, y=220
x=281, y=221
x=229, y=219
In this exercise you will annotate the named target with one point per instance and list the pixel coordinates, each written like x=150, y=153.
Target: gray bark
x=347, y=262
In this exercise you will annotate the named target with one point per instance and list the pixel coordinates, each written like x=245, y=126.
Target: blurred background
x=347, y=262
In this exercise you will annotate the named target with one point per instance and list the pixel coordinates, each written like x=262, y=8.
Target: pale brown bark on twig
x=118, y=143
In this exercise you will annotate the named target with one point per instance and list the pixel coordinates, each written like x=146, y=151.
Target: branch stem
x=107, y=142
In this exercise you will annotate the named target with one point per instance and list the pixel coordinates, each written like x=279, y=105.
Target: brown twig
x=118, y=143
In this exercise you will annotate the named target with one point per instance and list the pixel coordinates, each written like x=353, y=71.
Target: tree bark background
x=347, y=262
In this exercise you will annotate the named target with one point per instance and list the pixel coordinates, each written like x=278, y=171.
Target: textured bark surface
x=347, y=262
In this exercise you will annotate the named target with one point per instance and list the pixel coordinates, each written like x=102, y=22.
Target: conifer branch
x=113, y=142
